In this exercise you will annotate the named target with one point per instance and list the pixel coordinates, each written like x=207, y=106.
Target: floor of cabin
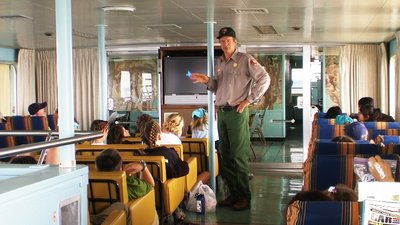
x=277, y=176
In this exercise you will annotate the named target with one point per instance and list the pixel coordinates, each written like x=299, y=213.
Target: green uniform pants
x=234, y=146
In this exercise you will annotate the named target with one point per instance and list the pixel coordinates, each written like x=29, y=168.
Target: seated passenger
x=172, y=129
x=366, y=105
x=357, y=131
x=116, y=134
x=37, y=109
x=343, y=138
x=151, y=135
x=333, y=112
x=23, y=159
x=343, y=120
x=101, y=126
x=199, y=123
x=140, y=122
x=340, y=192
x=110, y=160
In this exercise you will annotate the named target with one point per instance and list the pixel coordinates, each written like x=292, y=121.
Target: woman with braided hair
x=151, y=135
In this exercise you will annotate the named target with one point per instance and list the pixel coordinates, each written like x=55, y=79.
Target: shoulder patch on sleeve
x=253, y=62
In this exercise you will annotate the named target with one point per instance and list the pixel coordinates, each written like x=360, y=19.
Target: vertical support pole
x=103, y=90
x=65, y=80
x=306, y=98
x=211, y=107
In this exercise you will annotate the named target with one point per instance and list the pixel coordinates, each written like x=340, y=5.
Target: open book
x=380, y=212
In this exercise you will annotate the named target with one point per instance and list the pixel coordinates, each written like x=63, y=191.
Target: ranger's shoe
x=241, y=204
x=230, y=201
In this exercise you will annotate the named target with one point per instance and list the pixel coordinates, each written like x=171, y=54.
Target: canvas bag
x=209, y=196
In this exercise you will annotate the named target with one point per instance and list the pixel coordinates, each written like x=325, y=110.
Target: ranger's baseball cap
x=226, y=31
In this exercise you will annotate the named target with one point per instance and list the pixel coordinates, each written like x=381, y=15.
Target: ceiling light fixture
x=250, y=10
x=15, y=17
x=163, y=26
x=130, y=9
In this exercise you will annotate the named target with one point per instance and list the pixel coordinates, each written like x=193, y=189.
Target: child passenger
x=172, y=129
x=357, y=131
x=333, y=112
x=110, y=160
x=102, y=126
x=199, y=124
x=116, y=135
x=151, y=135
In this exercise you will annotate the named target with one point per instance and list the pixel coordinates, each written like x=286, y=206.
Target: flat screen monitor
x=176, y=81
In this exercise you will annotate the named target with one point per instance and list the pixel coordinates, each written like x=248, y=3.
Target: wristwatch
x=143, y=164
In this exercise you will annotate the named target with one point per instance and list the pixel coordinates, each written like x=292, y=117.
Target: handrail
x=11, y=151
x=37, y=132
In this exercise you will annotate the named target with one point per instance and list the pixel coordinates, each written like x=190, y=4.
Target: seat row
x=330, y=163
x=106, y=188
x=194, y=147
x=25, y=123
x=169, y=192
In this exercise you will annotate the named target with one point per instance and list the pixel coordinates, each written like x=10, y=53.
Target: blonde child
x=172, y=129
x=199, y=124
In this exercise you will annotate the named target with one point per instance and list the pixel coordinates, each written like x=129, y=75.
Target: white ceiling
x=321, y=22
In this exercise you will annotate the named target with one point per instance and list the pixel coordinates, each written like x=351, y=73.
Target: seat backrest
x=392, y=149
x=116, y=217
x=323, y=121
x=344, y=148
x=143, y=209
x=197, y=147
x=105, y=188
x=7, y=140
x=381, y=125
x=323, y=212
x=38, y=123
x=52, y=121
x=323, y=171
x=374, y=133
x=134, y=140
x=21, y=123
x=124, y=149
x=327, y=131
x=155, y=164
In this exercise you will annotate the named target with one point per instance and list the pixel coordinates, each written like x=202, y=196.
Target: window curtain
x=5, y=90
x=87, y=87
x=46, y=79
x=26, y=93
x=397, y=80
x=86, y=83
x=363, y=73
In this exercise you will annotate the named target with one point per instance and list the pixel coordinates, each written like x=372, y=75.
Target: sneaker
x=241, y=204
x=230, y=201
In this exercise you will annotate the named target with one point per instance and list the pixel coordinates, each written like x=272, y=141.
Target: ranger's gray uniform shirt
x=239, y=78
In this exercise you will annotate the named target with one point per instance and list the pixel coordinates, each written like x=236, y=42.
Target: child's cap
x=343, y=119
x=357, y=131
x=198, y=113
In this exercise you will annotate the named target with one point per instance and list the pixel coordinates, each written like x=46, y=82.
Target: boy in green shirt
x=110, y=160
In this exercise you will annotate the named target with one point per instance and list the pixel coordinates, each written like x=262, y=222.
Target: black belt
x=227, y=108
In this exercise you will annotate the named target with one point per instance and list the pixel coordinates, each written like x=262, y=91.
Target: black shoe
x=230, y=201
x=241, y=204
